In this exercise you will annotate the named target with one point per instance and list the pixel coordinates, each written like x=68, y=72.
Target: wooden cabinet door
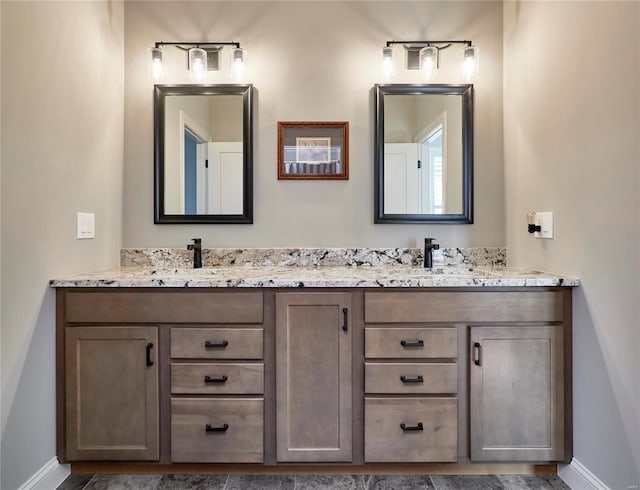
x=517, y=393
x=111, y=393
x=313, y=377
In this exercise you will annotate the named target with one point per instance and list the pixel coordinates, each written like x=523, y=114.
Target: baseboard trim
x=48, y=477
x=578, y=477
x=314, y=469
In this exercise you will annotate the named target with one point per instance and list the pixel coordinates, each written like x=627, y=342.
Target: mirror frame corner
x=160, y=92
x=466, y=91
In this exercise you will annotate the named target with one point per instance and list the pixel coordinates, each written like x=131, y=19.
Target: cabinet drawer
x=393, y=343
x=216, y=343
x=163, y=307
x=480, y=306
x=385, y=441
x=239, y=434
x=217, y=379
x=403, y=378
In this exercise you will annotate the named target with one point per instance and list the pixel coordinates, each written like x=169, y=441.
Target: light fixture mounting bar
x=413, y=49
x=429, y=43
x=197, y=44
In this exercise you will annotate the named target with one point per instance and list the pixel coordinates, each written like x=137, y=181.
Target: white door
x=432, y=155
x=201, y=178
x=225, y=178
x=401, y=179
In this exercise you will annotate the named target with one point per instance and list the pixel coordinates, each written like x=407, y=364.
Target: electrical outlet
x=85, y=226
x=545, y=220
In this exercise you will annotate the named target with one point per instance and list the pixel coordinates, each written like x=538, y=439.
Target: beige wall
x=62, y=152
x=312, y=61
x=226, y=118
x=572, y=136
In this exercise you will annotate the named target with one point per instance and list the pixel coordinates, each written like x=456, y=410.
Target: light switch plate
x=545, y=220
x=85, y=226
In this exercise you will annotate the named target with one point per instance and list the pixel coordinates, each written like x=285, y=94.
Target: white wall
x=572, y=146
x=62, y=152
x=312, y=61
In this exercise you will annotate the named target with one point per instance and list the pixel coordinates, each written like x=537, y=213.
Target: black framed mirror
x=203, y=154
x=423, y=154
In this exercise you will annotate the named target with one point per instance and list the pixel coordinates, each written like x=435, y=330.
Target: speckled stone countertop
x=318, y=268
x=316, y=277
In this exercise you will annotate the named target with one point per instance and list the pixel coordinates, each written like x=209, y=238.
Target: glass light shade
x=387, y=63
x=238, y=63
x=470, y=63
x=156, y=63
x=197, y=62
x=428, y=62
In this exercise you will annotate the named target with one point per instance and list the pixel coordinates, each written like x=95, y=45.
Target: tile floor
x=313, y=482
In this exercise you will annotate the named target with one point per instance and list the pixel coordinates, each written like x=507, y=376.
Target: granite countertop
x=315, y=276
x=314, y=267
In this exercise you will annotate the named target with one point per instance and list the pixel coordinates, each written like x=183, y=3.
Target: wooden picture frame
x=313, y=150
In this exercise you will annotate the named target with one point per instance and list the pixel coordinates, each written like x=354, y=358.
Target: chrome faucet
x=196, y=246
x=429, y=247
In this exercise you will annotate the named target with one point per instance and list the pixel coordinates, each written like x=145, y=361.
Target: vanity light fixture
x=387, y=63
x=201, y=57
x=156, y=63
x=428, y=62
x=425, y=56
x=238, y=63
x=197, y=63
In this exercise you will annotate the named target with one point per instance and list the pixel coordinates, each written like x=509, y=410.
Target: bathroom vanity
x=288, y=365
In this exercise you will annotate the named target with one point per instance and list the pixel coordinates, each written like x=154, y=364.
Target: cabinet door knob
x=407, y=343
x=210, y=428
x=417, y=379
x=208, y=344
x=407, y=428
x=149, y=347
x=477, y=354
x=209, y=379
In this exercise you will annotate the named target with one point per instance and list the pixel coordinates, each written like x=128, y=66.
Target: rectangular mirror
x=423, y=154
x=203, y=154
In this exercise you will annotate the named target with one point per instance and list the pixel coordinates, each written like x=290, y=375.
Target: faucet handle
x=196, y=240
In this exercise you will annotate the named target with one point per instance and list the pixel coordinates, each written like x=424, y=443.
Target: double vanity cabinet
x=314, y=375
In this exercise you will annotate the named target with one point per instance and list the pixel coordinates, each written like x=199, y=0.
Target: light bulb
x=428, y=62
x=197, y=62
x=156, y=63
x=238, y=63
x=470, y=63
x=387, y=63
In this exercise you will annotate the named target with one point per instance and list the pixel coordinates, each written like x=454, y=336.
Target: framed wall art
x=313, y=150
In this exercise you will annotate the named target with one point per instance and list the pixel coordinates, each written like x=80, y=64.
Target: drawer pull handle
x=406, y=343
x=149, y=347
x=209, y=379
x=418, y=379
x=409, y=428
x=477, y=353
x=211, y=428
x=208, y=344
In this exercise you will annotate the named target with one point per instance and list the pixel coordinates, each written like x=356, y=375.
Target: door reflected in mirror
x=422, y=157
x=203, y=154
x=423, y=153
